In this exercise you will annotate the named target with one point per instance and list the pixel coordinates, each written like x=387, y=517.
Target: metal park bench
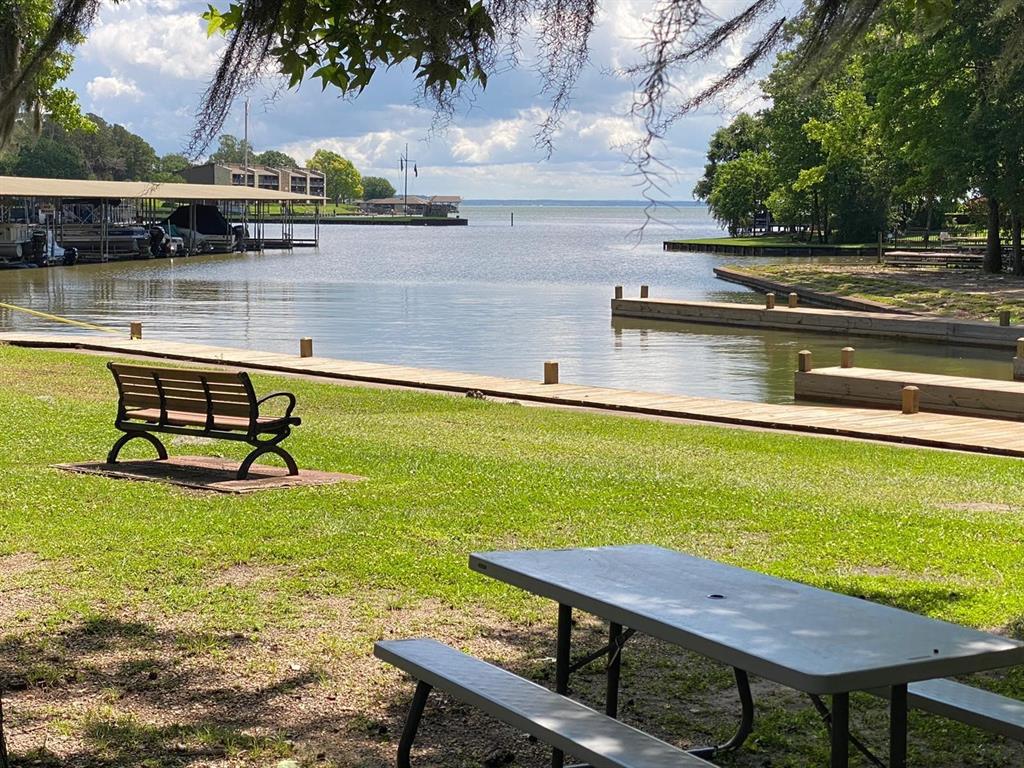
x=556, y=720
x=215, y=404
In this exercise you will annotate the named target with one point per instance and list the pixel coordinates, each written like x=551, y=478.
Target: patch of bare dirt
x=123, y=688
x=246, y=575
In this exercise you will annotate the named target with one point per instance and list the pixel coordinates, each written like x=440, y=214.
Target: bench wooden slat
x=189, y=405
x=966, y=704
x=185, y=386
x=179, y=374
x=186, y=418
x=219, y=391
x=554, y=719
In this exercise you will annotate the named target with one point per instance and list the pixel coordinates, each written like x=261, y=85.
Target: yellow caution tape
x=59, y=319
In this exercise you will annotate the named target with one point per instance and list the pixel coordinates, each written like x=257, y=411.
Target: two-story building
x=302, y=181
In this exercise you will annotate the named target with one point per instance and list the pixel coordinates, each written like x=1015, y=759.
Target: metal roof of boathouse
x=23, y=186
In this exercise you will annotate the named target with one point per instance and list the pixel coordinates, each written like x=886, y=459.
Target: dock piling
x=911, y=399
x=551, y=372
x=305, y=347
x=618, y=291
x=794, y=299
x=645, y=291
x=1018, y=361
x=769, y=301
x=846, y=357
x=1004, y=318
x=804, y=361
x=136, y=330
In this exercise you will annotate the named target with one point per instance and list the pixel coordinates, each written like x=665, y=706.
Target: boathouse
x=104, y=220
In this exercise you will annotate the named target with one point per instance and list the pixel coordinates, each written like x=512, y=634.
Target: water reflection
x=485, y=298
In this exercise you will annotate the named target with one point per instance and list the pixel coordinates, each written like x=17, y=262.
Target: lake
x=488, y=298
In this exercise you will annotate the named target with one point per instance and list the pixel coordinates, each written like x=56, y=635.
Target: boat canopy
x=67, y=189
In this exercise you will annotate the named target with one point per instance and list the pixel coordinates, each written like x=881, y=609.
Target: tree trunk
x=993, y=250
x=1016, y=224
x=928, y=220
x=814, y=218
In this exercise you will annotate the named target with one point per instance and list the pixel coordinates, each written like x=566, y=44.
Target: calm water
x=488, y=298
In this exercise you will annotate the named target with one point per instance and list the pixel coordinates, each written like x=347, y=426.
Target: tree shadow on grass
x=148, y=697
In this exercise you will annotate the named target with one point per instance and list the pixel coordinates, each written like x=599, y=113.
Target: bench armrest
x=291, y=402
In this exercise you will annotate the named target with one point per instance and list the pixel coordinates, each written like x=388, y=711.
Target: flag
x=415, y=172
x=401, y=164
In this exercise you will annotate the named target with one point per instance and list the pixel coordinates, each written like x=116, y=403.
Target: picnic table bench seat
x=556, y=720
x=187, y=401
x=976, y=707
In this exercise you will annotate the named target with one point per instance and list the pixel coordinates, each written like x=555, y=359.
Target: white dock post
x=804, y=361
x=769, y=301
x=794, y=299
x=305, y=347
x=846, y=357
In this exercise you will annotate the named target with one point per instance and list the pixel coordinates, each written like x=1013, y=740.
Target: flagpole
x=406, y=210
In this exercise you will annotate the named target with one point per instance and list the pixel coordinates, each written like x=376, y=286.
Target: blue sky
x=145, y=64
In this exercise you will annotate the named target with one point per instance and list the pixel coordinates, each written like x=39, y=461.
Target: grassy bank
x=954, y=292
x=773, y=241
x=147, y=625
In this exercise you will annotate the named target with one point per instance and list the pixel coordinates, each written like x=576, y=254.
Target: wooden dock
x=880, y=388
x=930, y=328
x=961, y=433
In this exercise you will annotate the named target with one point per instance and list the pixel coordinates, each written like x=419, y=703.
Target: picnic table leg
x=898, y=727
x=615, y=643
x=840, y=730
x=562, y=652
x=412, y=724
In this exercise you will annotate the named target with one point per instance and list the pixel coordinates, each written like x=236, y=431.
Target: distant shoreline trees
x=913, y=123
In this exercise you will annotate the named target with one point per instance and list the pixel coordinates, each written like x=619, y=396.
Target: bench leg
x=243, y=471
x=412, y=724
x=160, y=450
x=746, y=725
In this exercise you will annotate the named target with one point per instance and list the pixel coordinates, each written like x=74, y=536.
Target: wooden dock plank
x=957, y=432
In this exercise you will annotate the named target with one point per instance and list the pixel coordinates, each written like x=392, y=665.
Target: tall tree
x=746, y=133
x=741, y=187
x=50, y=159
x=231, y=149
x=275, y=159
x=343, y=180
x=376, y=187
x=170, y=168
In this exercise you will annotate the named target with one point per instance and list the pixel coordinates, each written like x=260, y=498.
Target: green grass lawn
x=149, y=625
x=954, y=292
x=768, y=241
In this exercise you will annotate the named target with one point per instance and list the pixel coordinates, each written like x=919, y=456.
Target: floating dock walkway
x=843, y=322
x=962, y=433
x=881, y=388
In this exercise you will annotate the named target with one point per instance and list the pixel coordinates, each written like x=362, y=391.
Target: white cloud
x=100, y=88
x=174, y=45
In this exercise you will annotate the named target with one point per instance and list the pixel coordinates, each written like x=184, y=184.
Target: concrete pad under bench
x=205, y=473
x=880, y=388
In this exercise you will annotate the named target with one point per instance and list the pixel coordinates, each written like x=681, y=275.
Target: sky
x=146, y=62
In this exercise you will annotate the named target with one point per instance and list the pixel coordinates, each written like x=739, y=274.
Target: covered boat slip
x=106, y=220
